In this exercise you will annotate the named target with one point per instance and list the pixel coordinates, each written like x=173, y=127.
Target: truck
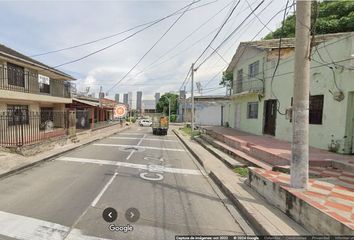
x=159, y=124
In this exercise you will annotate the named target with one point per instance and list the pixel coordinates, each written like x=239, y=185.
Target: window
x=18, y=114
x=253, y=69
x=44, y=86
x=239, y=80
x=252, y=110
x=15, y=75
x=316, y=109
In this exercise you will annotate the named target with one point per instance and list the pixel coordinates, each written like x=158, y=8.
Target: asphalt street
x=64, y=198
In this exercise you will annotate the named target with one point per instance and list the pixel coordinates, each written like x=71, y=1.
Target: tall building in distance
x=130, y=100
x=139, y=96
x=116, y=97
x=125, y=98
x=157, y=97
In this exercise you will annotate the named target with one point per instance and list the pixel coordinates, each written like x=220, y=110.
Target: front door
x=270, y=114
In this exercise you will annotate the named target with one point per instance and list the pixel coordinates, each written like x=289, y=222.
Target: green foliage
x=227, y=78
x=333, y=17
x=188, y=131
x=173, y=118
x=162, y=105
x=242, y=171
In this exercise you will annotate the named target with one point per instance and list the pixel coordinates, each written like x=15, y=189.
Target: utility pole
x=169, y=109
x=299, y=169
x=192, y=97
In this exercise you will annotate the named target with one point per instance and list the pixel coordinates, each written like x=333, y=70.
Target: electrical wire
x=163, y=35
x=131, y=35
x=119, y=33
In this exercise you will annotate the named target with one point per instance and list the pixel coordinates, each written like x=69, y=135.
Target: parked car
x=145, y=123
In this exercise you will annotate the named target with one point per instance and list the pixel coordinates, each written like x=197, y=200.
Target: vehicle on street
x=145, y=123
x=159, y=124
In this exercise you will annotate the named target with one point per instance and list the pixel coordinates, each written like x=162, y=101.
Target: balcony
x=15, y=78
x=248, y=86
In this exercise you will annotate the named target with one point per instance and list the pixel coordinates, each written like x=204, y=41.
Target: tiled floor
x=329, y=194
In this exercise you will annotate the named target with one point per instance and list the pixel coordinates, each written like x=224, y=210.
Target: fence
x=20, y=127
x=249, y=86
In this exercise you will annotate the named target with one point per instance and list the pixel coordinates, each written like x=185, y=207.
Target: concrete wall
x=337, y=115
x=208, y=114
x=299, y=210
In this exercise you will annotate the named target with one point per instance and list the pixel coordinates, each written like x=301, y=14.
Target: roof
x=274, y=44
x=10, y=53
x=148, y=104
x=90, y=103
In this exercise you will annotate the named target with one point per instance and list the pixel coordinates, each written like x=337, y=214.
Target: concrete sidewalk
x=266, y=219
x=10, y=163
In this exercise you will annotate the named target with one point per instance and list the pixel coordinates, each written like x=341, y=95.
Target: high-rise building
x=125, y=98
x=139, y=96
x=116, y=97
x=130, y=100
x=157, y=97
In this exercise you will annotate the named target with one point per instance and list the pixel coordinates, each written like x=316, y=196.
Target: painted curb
x=27, y=166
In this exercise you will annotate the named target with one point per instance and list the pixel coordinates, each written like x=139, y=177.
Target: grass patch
x=188, y=131
x=242, y=171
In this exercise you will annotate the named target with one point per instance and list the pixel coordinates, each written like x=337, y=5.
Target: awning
x=94, y=104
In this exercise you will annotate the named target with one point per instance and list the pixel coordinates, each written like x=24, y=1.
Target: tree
x=226, y=80
x=162, y=104
x=331, y=17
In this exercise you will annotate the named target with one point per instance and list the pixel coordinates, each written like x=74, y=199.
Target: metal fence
x=21, y=127
x=249, y=86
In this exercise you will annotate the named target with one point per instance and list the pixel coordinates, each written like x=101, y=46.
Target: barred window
x=252, y=110
x=15, y=75
x=253, y=69
x=316, y=109
x=17, y=114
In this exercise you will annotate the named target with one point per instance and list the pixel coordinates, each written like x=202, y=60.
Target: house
x=32, y=99
x=261, y=103
x=209, y=110
x=148, y=106
x=92, y=112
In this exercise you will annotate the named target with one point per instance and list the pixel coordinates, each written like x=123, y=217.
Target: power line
x=172, y=25
x=131, y=35
x=232, y=33
x=218, y=32
x=117, y=34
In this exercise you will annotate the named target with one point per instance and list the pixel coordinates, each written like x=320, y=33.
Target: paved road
x=64, y=198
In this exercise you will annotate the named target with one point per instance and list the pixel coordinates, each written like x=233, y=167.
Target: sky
x=35, y=27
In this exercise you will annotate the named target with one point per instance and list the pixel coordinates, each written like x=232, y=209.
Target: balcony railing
x=249, y=86
x=20, y=80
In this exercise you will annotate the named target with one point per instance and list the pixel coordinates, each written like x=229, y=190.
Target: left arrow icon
x=109, y=214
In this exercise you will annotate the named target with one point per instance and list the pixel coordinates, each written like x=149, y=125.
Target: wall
x=208, y=114
x=321, y=82
x=337, y=115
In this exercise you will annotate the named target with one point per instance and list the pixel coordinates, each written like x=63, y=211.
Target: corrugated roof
x=8, y=52
x=90, y=103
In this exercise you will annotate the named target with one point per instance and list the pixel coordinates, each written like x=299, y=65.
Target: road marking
x=132, y=152
x=144, y=176
x=131, y=165
x=126, y=133
x=27, y=228
x=21, y=227
x=95, y=201
x=144, y=147
x=145, y=139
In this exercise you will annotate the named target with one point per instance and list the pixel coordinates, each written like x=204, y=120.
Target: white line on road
x=95, y=201
x=144, y=147
x=131, y=165
x=132, y=152
x=27, y=228
x=145, y=139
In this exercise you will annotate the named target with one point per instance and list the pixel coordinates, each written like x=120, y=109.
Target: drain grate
x=131, y=148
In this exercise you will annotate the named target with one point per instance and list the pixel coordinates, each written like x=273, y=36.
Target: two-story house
x=32, y=99
x=262, y=97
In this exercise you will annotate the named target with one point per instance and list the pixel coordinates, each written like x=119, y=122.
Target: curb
x=247, y=212
x=27, y=166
